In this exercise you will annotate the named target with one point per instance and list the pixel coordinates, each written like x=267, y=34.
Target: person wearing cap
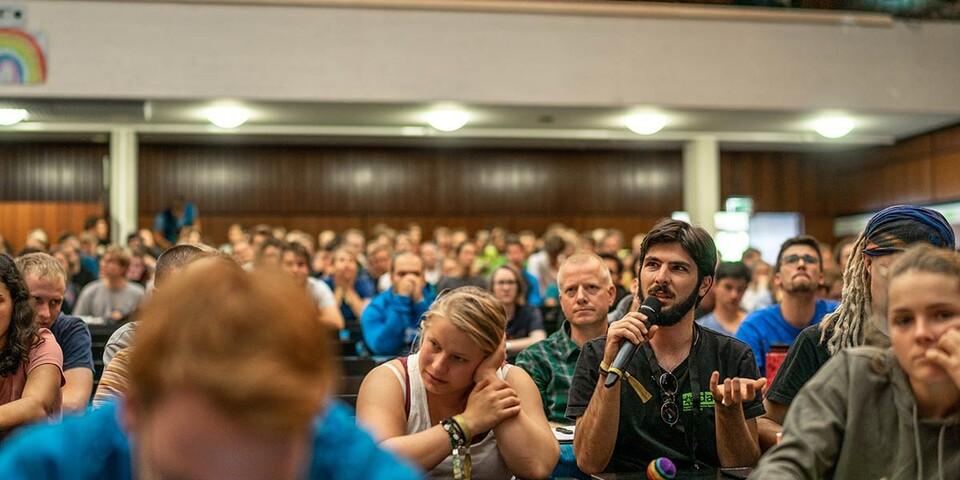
x=859, y=319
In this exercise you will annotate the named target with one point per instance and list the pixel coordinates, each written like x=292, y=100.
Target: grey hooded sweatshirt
x=857, y=418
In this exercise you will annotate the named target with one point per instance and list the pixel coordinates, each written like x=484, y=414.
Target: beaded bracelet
x=461, y=449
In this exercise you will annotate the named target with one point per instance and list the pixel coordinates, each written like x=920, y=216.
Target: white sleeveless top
x=484, y=456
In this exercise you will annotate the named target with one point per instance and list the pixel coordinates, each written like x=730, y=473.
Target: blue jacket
x=533, y=293
x=391, y=321
x=95, y=447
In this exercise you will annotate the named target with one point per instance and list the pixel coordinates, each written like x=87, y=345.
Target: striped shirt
x=115, y=379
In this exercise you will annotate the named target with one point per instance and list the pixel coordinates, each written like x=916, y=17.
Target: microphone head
x=651, y=305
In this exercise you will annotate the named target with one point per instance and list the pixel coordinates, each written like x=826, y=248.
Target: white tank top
x=484, y=456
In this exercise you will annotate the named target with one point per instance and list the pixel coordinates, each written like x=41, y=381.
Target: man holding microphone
x=670, y=400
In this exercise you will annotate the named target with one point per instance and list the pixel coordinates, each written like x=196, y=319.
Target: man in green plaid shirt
x=586, y=294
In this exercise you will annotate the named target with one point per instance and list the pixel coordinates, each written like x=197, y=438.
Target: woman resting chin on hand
x=886, y=413
x=453, y=407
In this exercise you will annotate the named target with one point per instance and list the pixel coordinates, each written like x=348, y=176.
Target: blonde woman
x=453, y=408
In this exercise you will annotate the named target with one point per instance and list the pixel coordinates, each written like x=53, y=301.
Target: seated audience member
x=544, y=264
x=466, y=256
x=586, y=291
x=672, y=402
x=379, y=257
x=71, y=266
x=843, y=250
x=295, y=260
x=44, y=278
x=140, y=269
x=732, y=280
x=351, y=291
x=860, y=319
x=615, y=265
x=215, y=392
x=515, y=256
x=391, y=321
x=890, y=412
x=524, y=323
x=758, y=294
x=31, y=362
x=456, y=391
x=431, y=262
x=113, y=297
x=169, y=264
x=798, y=273
x=268, y=253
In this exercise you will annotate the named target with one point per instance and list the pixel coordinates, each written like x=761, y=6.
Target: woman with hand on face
x=524, y=323
x=351, y=290
x=886, y=413
x=454, y=408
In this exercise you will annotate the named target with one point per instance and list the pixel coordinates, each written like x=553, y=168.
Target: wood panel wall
x=54, y=186
x=312, y=188
x=782, y=182
x=921, y=170
x=924, y=169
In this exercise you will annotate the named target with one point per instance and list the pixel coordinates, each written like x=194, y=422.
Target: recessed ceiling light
x=834, y=127
x=448, y=119
x=228, y=116
x=645, y=123
x=12, y=116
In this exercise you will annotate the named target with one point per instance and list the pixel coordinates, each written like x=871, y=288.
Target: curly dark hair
x=21, y=333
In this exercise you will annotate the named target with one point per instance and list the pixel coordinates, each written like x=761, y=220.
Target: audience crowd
x=476, y=352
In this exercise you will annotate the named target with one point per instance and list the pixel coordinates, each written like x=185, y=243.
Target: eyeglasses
x=808, y=259
x=508, y=283
x=881, y=251
x=669, y=412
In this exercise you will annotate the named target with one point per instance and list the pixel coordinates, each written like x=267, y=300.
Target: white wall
x=146, y=50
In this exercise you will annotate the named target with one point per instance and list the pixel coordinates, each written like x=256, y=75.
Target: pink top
x=48, y=352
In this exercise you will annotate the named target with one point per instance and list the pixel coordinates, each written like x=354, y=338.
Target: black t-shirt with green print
x=643, y=435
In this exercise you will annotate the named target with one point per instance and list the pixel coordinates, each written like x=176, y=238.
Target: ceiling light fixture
x=12, y=116
x=645, y=123
x=834, y=127
x=228, y=116
x=448, y=120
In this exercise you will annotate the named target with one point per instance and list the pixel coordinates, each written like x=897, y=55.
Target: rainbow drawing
x=22, y=61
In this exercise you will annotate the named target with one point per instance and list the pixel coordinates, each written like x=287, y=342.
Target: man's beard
x=801, y=287
x=671, y=316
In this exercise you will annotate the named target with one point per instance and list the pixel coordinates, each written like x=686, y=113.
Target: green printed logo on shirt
x=706, y=401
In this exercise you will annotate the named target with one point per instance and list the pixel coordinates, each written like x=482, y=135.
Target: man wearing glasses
x=671, y=402
x=798, y=272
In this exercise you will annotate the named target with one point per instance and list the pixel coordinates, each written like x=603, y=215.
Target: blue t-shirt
x=766, y=327
x=74, y=338
x=710, y=321
x=94, y=446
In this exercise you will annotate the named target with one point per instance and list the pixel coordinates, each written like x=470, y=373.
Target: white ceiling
x=403, y=124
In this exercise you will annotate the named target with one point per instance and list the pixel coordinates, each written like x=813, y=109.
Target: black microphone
x=650, y=308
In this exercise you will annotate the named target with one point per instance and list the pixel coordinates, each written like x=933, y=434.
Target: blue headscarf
x=893, y=228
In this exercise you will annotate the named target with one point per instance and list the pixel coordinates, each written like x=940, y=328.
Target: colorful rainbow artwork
x=22, y=61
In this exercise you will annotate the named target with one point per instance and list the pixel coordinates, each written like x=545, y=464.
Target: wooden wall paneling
x=51, y=172
x=907, y=181
x=19, y=218
x=946, y=140
x=946, y=175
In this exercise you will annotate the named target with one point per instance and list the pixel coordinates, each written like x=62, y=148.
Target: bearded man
x=669, y=401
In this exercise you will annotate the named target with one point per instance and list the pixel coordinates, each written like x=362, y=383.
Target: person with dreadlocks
x=860, y=318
